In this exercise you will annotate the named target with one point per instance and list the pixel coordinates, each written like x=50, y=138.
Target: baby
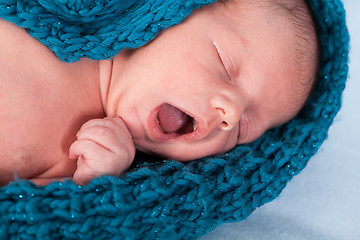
x=229, y=72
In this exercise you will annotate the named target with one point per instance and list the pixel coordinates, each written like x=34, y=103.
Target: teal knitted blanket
x=166, y=199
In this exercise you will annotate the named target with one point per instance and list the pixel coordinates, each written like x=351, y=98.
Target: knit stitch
x=167, y=199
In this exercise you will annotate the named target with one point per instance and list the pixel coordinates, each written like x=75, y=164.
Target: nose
x=229, y=109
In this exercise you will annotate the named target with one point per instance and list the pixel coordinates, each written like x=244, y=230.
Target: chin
x=185, y=153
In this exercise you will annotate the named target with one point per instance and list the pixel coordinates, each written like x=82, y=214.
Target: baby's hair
x=306, y=38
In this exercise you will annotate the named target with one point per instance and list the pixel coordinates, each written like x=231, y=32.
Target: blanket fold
x=95, y=29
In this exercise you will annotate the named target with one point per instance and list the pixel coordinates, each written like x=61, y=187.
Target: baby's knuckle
x=115, y=122
x=126, y=151
x=102, y=131
x=91, y=122
x=109, y=122
x=88, y=147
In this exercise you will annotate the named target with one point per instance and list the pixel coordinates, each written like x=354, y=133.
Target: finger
x=100, y=159
x=89, y=168
x=89, y=150
x=83, y=174
x=114, y=139
x=110, y=122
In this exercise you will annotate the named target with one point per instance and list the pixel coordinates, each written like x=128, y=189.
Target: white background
x=323, y=201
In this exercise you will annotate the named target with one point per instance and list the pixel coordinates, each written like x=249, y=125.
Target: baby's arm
x=103, y=147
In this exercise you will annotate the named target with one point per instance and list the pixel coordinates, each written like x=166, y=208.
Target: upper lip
x=156, y=134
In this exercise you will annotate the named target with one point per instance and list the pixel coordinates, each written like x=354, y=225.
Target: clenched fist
x=103, y=147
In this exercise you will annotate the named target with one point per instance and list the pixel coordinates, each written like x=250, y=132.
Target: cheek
x=252, y=126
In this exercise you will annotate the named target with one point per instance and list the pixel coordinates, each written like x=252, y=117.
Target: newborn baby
x=229, y=72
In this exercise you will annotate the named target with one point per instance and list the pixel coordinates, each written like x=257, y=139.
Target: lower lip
x=157, y=135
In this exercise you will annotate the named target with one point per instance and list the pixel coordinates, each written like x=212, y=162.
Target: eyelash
x=224, y=63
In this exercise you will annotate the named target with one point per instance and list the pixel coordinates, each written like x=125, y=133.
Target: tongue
x=171, y=119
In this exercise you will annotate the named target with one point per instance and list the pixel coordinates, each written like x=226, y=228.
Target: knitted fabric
x=167, y=199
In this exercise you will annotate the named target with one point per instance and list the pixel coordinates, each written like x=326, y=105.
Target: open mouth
x=170, y=122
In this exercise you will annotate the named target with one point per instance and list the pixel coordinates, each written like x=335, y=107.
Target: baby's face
x=221, y=78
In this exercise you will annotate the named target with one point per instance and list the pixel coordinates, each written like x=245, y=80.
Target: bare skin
x=83, y=120
x=44, y=102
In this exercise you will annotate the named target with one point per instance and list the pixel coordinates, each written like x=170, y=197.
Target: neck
x=110, y=85
x=105, y=74
x=84, y=75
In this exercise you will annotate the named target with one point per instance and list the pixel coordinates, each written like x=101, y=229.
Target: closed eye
x=225, y=60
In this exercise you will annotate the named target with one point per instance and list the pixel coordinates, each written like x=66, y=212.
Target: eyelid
x=225, y=60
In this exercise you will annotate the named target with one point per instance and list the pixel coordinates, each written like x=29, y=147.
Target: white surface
x=323, y=201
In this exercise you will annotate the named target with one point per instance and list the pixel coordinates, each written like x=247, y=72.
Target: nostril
x=224, y=125
x=228, y=108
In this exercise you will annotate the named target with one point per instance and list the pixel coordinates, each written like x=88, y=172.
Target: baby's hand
x=103, y=147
